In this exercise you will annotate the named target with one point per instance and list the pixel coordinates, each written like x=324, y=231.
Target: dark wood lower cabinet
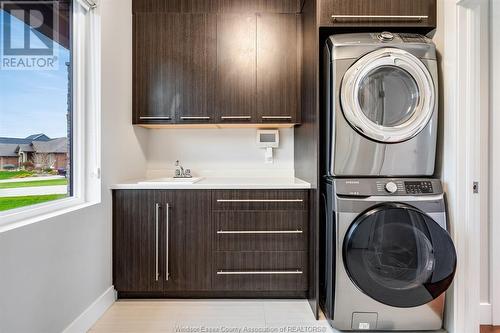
x=134, y=241
x=189, y=243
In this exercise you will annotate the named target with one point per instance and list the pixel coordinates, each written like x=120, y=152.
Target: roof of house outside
x=27, y=140
x=37, y=143
x=38, y=137
x=25, y=147
x=59, y=145
x=8, y=150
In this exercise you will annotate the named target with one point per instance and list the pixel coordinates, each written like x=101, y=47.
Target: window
x=49, y=106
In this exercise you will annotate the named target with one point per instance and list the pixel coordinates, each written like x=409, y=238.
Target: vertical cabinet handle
x=157, y=272
x=167, y=237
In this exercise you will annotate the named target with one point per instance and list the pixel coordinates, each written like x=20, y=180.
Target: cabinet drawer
x=266, y=271
x=259, y=200
x=260, y=230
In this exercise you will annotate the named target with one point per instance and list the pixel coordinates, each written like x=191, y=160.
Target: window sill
x=21, y=217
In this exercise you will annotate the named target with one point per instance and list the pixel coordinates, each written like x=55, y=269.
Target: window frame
x=86, y=127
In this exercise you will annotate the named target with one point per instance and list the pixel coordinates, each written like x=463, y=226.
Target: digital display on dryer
x=419, y=187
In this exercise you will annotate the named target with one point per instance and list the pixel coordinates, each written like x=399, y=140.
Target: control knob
x=391, y=187
x=385, y=36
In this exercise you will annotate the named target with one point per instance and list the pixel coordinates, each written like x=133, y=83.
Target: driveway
x=26, y=191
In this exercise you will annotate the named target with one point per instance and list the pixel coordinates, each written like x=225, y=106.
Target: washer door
x=388, y=95
x=399, y=256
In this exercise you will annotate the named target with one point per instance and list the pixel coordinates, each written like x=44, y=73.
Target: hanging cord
x=88, y=4
x=91, y=4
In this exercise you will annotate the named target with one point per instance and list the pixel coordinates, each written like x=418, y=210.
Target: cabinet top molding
x=216, y=6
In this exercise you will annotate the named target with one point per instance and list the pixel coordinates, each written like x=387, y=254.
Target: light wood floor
x=187, y=316
x=213, y=316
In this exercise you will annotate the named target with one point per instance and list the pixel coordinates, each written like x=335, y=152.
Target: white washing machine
x=381, y=94
x=388, y=258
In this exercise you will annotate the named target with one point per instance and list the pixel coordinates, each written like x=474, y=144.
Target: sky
x=33, y=101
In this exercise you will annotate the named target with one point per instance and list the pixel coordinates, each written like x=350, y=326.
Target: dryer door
x=388, y=95
x=399, y=256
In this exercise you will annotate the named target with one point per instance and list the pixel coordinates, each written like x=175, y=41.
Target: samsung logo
x=352, y=182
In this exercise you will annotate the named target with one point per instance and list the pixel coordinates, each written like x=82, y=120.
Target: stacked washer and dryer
x=387, y=255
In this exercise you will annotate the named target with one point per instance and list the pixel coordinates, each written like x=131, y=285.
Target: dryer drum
x=399, y=256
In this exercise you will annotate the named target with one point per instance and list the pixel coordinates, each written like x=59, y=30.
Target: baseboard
x=485, y=309
x=88, y=317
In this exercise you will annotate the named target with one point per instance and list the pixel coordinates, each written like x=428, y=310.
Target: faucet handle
x=187, y=173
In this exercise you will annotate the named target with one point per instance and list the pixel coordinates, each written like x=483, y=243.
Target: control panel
x=387, y=186
x=417, y=187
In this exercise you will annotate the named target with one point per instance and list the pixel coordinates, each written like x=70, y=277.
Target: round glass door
x=388, y=95
x=399, y=256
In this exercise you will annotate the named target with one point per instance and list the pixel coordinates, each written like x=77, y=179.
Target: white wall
x=215, y=150
x=494, y=229
x=462, y=42
x=51, y=271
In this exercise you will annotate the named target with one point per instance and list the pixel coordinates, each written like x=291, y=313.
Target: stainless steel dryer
x=388, y=256
x=381, y=104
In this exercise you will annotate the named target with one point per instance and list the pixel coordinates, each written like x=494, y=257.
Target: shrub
x=9, y=167
x=28, y=165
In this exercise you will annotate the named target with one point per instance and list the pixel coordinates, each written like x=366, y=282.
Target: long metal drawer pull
x=260, y=200
x=276, y=117
x=157, y=273
x=167, y=254
x=234, y=232
x=259, y=272
x=155, y=118
x=194, y=118
x=236, y=117
x=381, y=17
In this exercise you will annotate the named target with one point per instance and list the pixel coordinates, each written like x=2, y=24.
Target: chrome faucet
x=180, y=172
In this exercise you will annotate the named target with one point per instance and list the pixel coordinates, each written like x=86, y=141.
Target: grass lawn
x=36, y=183
x=13, y=174
x=7, y=203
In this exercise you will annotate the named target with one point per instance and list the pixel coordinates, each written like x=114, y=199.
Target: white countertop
x=225, y=183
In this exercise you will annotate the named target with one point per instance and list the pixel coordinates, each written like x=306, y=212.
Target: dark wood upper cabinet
x=196, y=51
x=277, y=68
x=206, y=62
x=378, y=13
x=235, y=100
x=155, y=63
x=174, y=68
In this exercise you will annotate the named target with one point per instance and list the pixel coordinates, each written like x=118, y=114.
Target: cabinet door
x=154, y=68
x=383, y=13
x=196, y=49
x=186, y=240
x=277, y=68
x=196, y=219
x=136, y=242
x=236, y=68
